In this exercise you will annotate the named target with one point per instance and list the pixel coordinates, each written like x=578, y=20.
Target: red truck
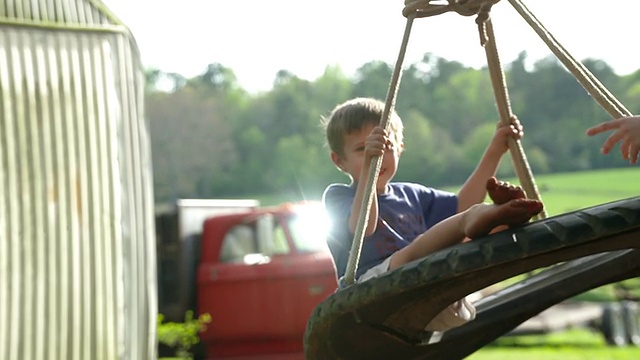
x=258, y=272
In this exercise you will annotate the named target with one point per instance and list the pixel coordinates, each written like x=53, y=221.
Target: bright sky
x=256, y=38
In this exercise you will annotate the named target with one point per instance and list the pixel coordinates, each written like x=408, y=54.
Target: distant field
x=561, y=192
x=577, y=344
x=571, y=191
x=564, y=192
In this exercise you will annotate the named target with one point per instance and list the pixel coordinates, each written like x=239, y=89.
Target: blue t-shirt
x=404, y=212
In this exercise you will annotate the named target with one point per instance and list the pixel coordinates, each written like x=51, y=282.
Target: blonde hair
x=353, y=115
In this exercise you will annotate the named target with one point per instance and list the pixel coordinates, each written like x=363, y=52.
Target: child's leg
x=485, y=217
x=476, y=221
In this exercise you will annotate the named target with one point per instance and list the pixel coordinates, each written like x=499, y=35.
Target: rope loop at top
x=426, y=8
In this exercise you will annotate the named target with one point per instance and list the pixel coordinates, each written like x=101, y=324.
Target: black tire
x=384, y=317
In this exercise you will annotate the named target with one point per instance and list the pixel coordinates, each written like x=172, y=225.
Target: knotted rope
x=425, y=8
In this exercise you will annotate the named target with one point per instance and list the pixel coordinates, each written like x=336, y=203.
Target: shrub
x=182, y=336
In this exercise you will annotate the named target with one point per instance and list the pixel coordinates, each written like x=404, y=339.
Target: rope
x=588, y=81
x=376, y=162
x=521, y=165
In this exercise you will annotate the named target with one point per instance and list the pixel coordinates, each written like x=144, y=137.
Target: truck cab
x=259, y=273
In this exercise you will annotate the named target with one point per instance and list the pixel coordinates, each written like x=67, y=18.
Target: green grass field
x=564, y=192
x=571, y=191
x=561, y=192
x=575, y=344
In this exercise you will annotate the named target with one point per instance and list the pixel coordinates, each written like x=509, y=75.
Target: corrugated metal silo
x=77, y=242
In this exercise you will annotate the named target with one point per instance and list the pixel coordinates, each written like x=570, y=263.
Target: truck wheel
x=613, y=325
x=631, y=313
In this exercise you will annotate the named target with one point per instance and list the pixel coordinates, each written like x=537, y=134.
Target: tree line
x=212, y=139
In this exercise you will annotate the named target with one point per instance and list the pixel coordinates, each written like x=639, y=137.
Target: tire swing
x=384, y=318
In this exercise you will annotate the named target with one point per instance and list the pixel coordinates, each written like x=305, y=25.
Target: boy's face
x=353, y=159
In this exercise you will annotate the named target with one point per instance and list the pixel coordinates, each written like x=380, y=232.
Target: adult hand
x=627, y=132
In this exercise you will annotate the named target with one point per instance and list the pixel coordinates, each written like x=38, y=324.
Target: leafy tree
x=210, y=138
x=428, y=154
x=254, y=157
x=301, y=170
x=190, y=144
x=177, y=80
x=216, y=77
x=331, y=88
x=372, y=80
x=151, y=77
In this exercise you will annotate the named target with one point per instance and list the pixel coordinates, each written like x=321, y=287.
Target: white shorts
x=454, y=315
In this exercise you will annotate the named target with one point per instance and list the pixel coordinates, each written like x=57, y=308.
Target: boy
x=402, y=213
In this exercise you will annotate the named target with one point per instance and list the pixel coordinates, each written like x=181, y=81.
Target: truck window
x=242, y=245
x=280, y=244
x=238, y=242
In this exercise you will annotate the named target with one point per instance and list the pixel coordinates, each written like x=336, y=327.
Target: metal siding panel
x=75, y=12
x=75, y=206
x=63, y=204
x=76, y=220
x=140, y=254
x=24, y=200
x=15, y=10
x=12, y=172
x=66, y=15
x=39, y=134
x=45, y=8
x=5, y=102
x=29, y=159
x=101, y=175
x=55, y=191
x=87, y=14
x=137, y=169
x=111, y=193
x=129, y=221
x=29, y=11
x=46, y=252
x=5, y=248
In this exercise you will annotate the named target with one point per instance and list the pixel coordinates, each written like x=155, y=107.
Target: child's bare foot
x=501, y=191
x=481, y=219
